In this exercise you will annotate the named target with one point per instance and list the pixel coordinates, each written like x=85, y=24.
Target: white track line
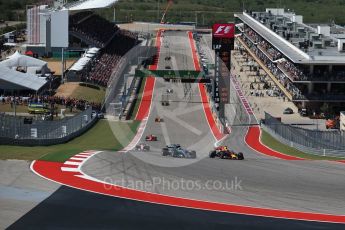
x=72, y=163
x=66, y=169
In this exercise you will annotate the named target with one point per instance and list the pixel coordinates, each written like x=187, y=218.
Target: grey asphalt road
x=70, y=208
x=20, y=190
x=176, y=45
x=312, y=186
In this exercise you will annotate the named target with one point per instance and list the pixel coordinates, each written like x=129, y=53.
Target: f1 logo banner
x=223, y=36
x=223, y=30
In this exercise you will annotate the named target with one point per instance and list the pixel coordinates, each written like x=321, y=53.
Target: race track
x=309, y=186
x=258, y=181
x=71, y=208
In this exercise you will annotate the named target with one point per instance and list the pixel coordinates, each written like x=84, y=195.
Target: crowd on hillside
x=68, y=102
x=103, y=66
x=94, y=28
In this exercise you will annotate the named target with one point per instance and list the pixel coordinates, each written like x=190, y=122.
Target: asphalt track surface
x=176, y=45
x=70, y=208
x=310, y=186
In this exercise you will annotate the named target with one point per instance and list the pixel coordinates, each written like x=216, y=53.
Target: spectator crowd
x=93, y=28
x=279, y=75
x=68, y=102
x=292, y=70
x=105, y=64
x=265, y=46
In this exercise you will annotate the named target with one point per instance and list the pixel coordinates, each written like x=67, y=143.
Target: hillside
x=206, y=12
x=210, y=11
x=14, y=10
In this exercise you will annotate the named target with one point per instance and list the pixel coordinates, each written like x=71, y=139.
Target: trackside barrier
x=223, y=126
x=42, y=133
x=321, y=143
x=318, y=152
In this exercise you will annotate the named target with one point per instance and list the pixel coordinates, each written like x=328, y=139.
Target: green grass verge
x=99, y=137
x=274, y=144
x=207, y=12
x=137, y=103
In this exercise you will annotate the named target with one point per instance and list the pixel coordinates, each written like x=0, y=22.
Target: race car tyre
x=165, y=153
x=222, y=155
x=212, y=154
x=240, y=156
x=193, y=154
x=147, y=148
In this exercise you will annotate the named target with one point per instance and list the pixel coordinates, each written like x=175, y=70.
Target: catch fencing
x=324, y=143
x=18, y=131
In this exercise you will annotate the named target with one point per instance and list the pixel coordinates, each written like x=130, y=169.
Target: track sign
x=223, y=36
x=223, y=39
x=33, y=132
x=223, y=30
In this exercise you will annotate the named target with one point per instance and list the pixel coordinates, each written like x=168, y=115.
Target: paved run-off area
x=20, y=190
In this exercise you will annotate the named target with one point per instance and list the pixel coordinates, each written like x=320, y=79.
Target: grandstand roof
x=93, y=50
x=90, y=4
x=330, y=55
x=83, y=61
x=283, y=46
x=25, y=80
x=80, y=64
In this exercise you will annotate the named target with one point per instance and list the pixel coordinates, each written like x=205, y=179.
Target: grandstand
x=65, y=27
x=307, y=62
x=98, y=68
x=92, y=29
x=74, y=26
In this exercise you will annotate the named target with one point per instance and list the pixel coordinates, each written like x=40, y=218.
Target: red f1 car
x=151, y=138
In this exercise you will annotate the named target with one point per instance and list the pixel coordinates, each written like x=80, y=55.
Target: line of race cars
x=175, y=150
